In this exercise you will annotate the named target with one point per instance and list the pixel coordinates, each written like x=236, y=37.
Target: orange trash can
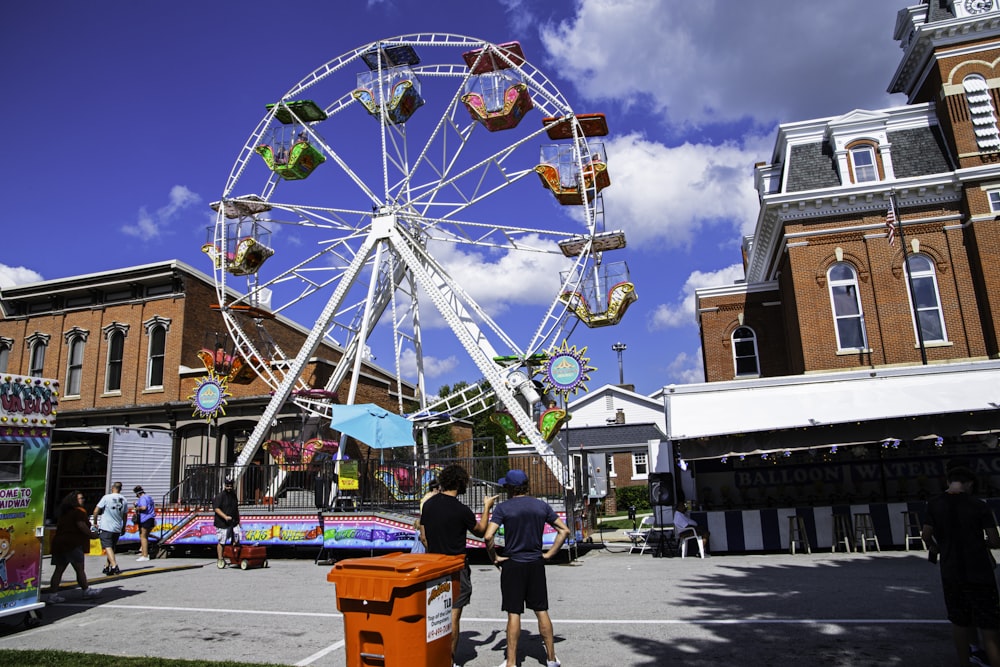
x=397, y=608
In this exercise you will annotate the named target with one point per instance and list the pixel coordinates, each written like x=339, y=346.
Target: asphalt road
x=608, y=608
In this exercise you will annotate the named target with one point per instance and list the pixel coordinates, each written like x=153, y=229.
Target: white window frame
x=111, y=334
x=929, y=273
x=74, y=364
x=156, y=359
x=860, y=315
x=736, y=357
x=640, y=459
x=994, y=197
x=6, y=345
x=611, y=465
x=864, y=173
x=37, y=346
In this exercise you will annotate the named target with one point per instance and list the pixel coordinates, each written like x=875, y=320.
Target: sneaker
x=141, y=559
x=114, y=571
x=92, y=593
x=106, y=570
x=55, y=598
x=552, y=663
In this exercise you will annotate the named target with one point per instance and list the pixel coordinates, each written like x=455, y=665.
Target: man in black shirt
x=954, y=532
x=444, y=523
x=227, y=516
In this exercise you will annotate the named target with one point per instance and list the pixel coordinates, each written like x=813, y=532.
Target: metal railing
x=380, y=486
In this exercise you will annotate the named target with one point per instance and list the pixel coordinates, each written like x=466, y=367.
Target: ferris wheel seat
x=509, y=426
x=292, y=163
x=250, y=255
x=561, y=180
x=404, y=100
x=298, y=455
x=241, y=207
x=551, y=421
x=516, y=102
x=619, y=298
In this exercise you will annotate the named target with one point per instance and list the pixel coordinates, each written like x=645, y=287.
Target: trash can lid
x=376, y=578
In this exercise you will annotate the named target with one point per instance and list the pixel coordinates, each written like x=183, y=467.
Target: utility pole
x=619, y=348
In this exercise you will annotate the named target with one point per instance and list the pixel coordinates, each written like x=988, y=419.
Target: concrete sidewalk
x=608, y=608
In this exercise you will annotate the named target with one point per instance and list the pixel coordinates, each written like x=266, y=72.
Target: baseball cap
x=513, y=478
x=138, y=489
x=228, y=482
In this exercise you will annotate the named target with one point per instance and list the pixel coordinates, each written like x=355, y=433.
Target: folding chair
x=640, y=536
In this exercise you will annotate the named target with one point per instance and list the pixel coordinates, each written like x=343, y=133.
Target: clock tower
x=951, y=59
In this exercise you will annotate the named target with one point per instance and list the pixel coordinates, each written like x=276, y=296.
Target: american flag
x=890, y=220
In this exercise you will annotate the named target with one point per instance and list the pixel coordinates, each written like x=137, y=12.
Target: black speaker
x=661, y=489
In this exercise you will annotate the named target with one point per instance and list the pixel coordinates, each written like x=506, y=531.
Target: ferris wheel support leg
x=309, y=347
x=464, y=331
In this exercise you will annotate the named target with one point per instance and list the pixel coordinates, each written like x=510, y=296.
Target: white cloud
x=687, y=368
x=17, y=275
x=719, y=61
x=669, y=194
x=150, y=226
x=433, y=366
x=681, y=313
x=505, y=279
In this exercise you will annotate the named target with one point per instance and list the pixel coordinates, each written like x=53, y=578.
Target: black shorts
x=464, y=589
x=148, y=524
x=109, y=539
x=972, y=605
x=523, y=585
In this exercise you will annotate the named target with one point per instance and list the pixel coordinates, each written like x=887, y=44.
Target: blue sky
x=124, y=119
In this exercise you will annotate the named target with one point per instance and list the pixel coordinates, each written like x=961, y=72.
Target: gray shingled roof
x=918, y=152
x=915, y=152
x=611, y=436
x=811, y=167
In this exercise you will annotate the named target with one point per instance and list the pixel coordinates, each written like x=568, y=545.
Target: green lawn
x=67, y=659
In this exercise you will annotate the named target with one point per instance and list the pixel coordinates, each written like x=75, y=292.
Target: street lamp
x=619, y=348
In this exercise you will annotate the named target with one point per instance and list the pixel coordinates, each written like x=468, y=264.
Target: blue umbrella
x=372, y=425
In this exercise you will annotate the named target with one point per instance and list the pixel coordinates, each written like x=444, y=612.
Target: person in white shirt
x=683, y=522
x=109, y=517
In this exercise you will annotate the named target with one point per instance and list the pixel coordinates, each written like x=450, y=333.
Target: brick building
x=125, y=346
x=845, y=332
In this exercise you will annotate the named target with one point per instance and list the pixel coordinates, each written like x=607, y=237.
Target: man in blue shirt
x=522, y=567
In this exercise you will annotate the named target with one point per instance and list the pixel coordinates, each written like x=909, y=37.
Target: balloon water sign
x=27, y=417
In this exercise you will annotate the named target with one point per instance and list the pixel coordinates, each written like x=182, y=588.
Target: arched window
x=863, y=163
x=982, y=113
x=74, y=372
x=116, y=353
x=920, y=270
x=848, y=319
x=5, y=346
x=157, y=349
x=37, y=344
x=745, y=352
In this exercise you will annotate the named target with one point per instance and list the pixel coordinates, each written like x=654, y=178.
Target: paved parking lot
x=608, y=608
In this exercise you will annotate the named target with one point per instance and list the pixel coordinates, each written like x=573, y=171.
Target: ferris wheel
x=365, y=186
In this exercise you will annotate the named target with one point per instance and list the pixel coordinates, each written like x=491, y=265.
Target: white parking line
x=316, y=656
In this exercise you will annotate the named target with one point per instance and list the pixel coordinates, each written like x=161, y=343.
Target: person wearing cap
x=145, y=512
x=110, y=516
x=522, y=566
x=444, y=524
x=227, y=516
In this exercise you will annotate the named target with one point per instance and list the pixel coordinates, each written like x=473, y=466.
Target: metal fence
x=364, y=485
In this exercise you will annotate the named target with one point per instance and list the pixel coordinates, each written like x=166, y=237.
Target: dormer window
x=982, y=113
x=863, y=164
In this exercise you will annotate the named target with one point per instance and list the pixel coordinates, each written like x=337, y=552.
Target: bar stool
x=841, y=533
x=864, y=532
x=912, y=529
x=797, y=534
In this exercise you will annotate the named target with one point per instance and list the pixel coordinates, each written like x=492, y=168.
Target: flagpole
x=909, y=277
